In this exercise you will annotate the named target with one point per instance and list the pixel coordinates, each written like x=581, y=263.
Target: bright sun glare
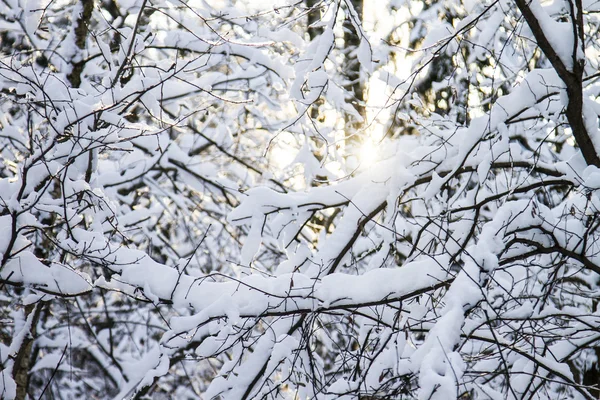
x=368, y=154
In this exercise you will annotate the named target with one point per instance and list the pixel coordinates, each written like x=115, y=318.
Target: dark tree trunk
x=351, y=68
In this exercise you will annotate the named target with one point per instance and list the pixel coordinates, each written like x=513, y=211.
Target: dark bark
x=81, y=32
x=22, y=363
x=591, y=377
x=313, y=18
x=313, y=32
x=351, y=67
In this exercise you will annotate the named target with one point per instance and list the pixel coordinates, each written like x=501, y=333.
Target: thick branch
x=572, y=79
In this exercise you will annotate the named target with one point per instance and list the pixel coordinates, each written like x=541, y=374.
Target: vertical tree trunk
x=313, y=32
x=351, y=68
x=313, y=17
x=22, y=363
x=81, y=32
x=591, y=377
